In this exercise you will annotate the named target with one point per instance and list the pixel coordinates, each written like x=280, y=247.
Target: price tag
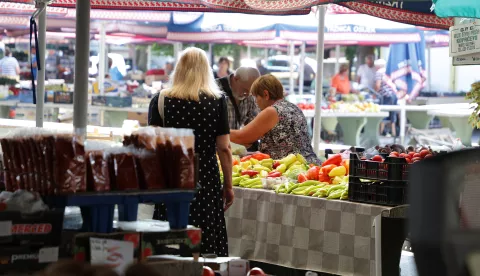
x=48, y=255
x=116, y=254
x=5, y=228
x=464, y=39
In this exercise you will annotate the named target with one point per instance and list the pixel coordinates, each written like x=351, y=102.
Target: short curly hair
x=270, y=84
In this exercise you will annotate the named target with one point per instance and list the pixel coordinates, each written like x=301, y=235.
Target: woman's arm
x=225, y=155
x=263, y=123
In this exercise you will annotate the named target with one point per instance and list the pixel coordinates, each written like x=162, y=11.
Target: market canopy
x=415, y=12
x=455, y=8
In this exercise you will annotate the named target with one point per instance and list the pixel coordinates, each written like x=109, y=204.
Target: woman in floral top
x=281, y=126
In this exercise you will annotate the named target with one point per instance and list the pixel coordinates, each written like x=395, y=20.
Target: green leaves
x=474, y=97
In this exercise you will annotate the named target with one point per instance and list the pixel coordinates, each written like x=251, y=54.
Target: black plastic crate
x=393, y=168
x=385, y=183
x=390, y=193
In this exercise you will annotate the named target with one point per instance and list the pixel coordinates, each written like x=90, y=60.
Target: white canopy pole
x=319, y=79
x=301, y=71
x=266, y=54
x=102, y=59
x=82, y=56
x=149, y=57
x=337, y=58
x=42, y=33
x=210, y=50
x=249, y=52
x=292, y=80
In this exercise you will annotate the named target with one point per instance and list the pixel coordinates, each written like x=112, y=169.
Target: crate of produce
x=382, y=182
x=98, y=208
x=62, y=97
x=26, y=96
x=40, y=229
x=114, y=101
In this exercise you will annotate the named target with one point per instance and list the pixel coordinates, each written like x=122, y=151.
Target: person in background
x=281, y=125
x=169, y=68
x=114, y=73
x=33, y=52
x=195, y=101
x=340, y=81
x=237, y=88
x=261, y=68
x=366, y=73
x=308, y=76
x=387, y=91
x=9, y=66
x=223, y=68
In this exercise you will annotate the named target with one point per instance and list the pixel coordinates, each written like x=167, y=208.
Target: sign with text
x=464, y=39
x=471, y=59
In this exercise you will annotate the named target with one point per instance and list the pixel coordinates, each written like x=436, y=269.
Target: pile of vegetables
x=329, y=180
x=295, y=175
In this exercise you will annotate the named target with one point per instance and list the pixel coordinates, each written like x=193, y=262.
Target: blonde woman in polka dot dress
x=195, y=101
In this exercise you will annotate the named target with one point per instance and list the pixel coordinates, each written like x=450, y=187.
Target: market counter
x=307, y=233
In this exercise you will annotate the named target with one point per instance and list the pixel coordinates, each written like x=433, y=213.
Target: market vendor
x=281, y=125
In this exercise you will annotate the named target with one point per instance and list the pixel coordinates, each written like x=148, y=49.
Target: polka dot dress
x=209, y=119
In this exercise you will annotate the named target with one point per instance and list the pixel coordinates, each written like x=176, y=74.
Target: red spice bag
x=10, y=183
x=69, y=165
x=149, y=170
x=184, y=158
x=98, y=168
x=125, y=169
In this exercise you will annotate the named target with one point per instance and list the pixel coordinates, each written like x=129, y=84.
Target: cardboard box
x=40, y=229
x=224, y=266
x=26, y=258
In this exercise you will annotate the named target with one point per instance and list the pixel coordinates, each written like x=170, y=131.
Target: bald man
x=242, y=107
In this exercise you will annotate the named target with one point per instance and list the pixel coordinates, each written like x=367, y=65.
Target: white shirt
x=367, y=76
x=8, y=66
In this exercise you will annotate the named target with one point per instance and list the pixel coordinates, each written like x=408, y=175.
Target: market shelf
x=98, y=208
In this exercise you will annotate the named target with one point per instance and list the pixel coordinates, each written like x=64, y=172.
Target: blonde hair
x=192, y=75
x=270, y=84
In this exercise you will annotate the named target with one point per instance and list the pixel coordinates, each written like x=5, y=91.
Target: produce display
x=57, y=163
x=411, y=154
x=344, y=107
x=293, y=175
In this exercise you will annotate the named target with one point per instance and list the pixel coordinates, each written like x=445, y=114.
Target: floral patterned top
x=290, y=135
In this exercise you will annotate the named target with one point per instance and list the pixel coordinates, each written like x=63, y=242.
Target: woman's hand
x=228, y=197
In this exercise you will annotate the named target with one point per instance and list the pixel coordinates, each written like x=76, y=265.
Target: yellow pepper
x=338, y=171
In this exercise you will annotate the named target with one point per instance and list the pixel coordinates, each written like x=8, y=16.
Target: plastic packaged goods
x=69, y=164
x=184, y=157
x=125, y=168
x=17, y=164
x=149, y=170
x=160, y=147
x=168, y=161
x=36, y=173
x=10, y=184
x=97, y=160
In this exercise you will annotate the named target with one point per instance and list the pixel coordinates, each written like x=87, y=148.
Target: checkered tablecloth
x=300, y=232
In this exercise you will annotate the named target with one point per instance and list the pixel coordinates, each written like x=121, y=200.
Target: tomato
x=403, y=155
x=256, y=271
x=324, y=178
x=417, y=155
x=312, y=173
x=415, y=159
x=377, y=158
x=394, y=154
x=301, y=106
x=411, y=154
x=301, y=178
x=408, y=160
x=424, y=153
x=428, y=156
x=207, y=271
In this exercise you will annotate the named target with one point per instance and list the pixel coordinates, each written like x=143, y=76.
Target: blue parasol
x=406, y=66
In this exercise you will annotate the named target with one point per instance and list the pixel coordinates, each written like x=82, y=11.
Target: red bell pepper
x=312, y=173
x=260, y=156
x=249, y=173
x=326, y=169
x=301, y=178
x=274, y=174
x=334, y=160
x=324, y=178
x=235, y=162
x=276, y=164
x=246, y=158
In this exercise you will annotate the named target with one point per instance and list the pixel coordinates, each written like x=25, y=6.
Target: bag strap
x=161, y=107
x=226, y=88
x=33, y=34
